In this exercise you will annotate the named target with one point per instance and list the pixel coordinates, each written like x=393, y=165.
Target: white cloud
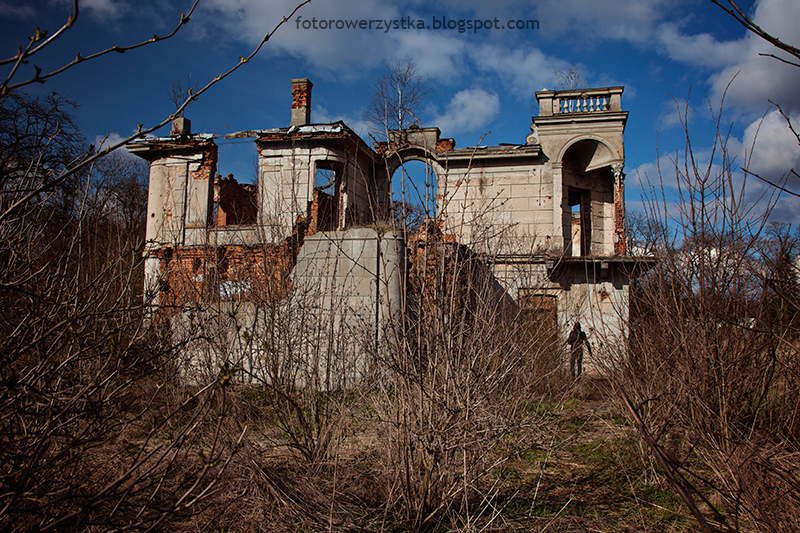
x=524, y=71
x=469, y=110
x=655, y=175
x=786, y=209
x=25, y=12
x=768, y=148
x=438, y=56
x=701, y=50
x=773, y=149
x=344, y=52
x=105, y=9
x=630, y=20
x=757, y=78
x=110, y=139
x=250, y=20
x=675, y=113
x=779, y=18
x=101, y=10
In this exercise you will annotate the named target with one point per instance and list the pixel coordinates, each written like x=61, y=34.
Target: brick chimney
x=301, y=102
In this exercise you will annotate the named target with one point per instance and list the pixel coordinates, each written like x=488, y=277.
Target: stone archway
x=590, y=177
x=414, y=191
x=416, y=144
x=398, y=157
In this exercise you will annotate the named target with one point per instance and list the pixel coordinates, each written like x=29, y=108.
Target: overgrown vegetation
x=94, y=429
x=466, y=422
x=715, y=388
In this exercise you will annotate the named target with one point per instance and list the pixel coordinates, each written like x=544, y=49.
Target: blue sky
x=483, y=82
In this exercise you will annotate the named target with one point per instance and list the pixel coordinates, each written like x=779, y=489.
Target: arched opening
x=413, y=194
x=588, y=202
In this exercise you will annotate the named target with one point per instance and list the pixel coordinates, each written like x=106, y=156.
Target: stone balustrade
x=602, y=100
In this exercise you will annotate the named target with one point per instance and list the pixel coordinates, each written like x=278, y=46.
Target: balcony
x=580, y=101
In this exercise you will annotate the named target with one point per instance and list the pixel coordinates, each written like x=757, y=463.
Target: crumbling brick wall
x=260, y=273
x=445, y=274
x=236, y=203
x=323, y=213
x=195, y=275
x=621, y=241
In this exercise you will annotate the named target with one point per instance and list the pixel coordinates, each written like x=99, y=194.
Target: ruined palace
x=545, y=215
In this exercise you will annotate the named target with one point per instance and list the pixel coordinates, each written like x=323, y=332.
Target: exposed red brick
x=301, y=93
x=621, y=244
x=445, y=145
x=286, y=136
x=259, y=274
x=444, y=272
x=237, y=203
x=323, y=210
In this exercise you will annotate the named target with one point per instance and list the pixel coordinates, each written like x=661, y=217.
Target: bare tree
x=644, y=234
x=85, y=390
x=710, y=376
x=714, y=388
x=182, y=91
x=397, y=103
x=570, y=80
x=40, y=141
x=96, y=428
x=397, y=99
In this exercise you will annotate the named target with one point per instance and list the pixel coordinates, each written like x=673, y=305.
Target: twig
x=142, y=131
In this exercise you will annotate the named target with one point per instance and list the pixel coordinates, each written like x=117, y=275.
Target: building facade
x=547, y=215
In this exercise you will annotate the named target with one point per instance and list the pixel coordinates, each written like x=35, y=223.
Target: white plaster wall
x=499, y=208
x=287, y=181
x=157, y=197
x=602, y=309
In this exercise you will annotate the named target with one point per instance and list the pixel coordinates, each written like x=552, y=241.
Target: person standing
x=576, y=340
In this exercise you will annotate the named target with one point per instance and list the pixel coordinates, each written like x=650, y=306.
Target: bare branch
x=668, y=465
x=39, y=34
x=737, y=13
x=771, y=183
x=397, y=99
x=788, y=121
x=570, y=80
x=178, y=93
x=41, y=78
x=142, y=132
x=780, y=59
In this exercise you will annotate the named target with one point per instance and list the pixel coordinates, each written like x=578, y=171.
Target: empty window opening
x=234, y=203
x=580, y=208
x=329, y=204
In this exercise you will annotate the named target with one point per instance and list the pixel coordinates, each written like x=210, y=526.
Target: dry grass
x=580, y=470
